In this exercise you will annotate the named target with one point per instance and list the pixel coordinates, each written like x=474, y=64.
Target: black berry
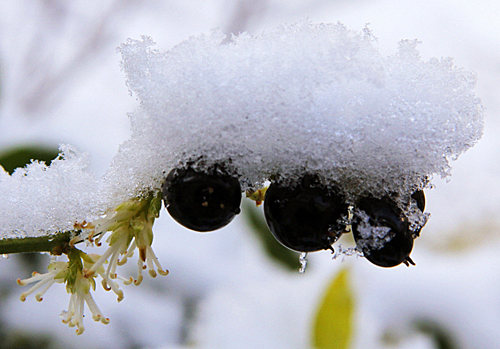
x=382, y=232
x=305, y=217
x=202, y=200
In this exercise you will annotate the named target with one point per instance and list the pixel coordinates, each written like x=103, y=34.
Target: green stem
x=54, y=243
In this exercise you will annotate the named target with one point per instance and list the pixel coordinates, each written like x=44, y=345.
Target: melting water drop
x=303, y=262
x=5, y=256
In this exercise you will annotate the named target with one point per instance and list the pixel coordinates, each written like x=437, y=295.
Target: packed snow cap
x=314, y=98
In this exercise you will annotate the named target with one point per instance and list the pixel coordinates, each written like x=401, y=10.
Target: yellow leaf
x=333, y=325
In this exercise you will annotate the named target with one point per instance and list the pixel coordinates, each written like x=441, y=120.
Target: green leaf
x=333, y=325
x=443, y=339
x=281, y=254
x=15, y=157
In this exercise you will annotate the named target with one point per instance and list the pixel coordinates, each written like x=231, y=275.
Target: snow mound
x=40, y=199
x=299, y=98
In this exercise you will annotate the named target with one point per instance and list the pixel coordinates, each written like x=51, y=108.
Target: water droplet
x=5, y=256
x=303, y=262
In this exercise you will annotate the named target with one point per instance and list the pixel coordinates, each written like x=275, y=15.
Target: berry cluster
x=304, y=215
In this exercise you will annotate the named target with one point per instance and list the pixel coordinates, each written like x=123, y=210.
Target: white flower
x=80, y=294
x=57, y=273
x=72, y=274
x=131, y=226
x=106, y=281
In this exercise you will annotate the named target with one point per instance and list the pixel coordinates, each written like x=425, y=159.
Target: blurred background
x=60, y=82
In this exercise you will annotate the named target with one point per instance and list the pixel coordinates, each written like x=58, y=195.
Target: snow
x=297, y=98
x=44, y=199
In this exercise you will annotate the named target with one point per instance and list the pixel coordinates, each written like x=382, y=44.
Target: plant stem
x=54, y=243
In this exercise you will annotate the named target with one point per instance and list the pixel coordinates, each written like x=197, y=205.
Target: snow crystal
x=297, y=98
x=40, y=199
x=372, y=237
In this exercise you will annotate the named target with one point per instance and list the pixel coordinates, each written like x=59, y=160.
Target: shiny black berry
x=382, y=232
x=305, y=217
x=202, y=200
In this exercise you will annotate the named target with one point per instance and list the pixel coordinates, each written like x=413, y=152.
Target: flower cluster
x=130, y=225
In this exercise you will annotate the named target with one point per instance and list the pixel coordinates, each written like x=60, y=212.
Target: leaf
x=333, y=325
x=443, y=339
x=20, y=156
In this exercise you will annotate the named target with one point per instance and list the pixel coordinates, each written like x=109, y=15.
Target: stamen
x=128, y=254
x=94, y=309
x=100, y=261
x=39, y=295
x=43, y=279
x=138, y=281
x=156, y=261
